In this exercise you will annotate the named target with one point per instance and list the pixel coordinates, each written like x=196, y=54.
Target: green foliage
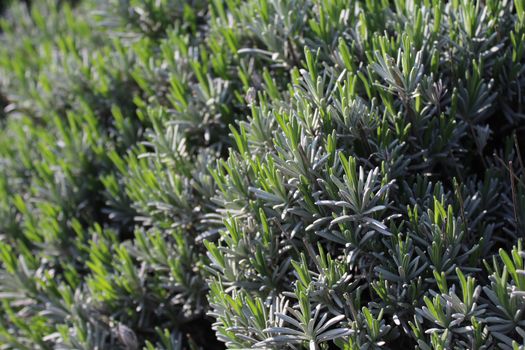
x=288, y=174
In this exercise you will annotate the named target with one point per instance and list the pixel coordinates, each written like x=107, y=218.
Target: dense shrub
x=278, y=174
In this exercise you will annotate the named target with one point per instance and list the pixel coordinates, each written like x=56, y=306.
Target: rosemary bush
x=274, y=174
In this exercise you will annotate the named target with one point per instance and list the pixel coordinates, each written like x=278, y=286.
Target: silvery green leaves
x=481, y=316
x=310, y=174
x=402, y=75
x=273, y=323
x=307, y=327
x=249, y=259
x=452, y=312
x=359, y=199
x=506, y=296
x=330, y=283
x=384, y=109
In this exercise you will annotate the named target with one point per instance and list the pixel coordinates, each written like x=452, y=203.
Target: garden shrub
x=277, y=174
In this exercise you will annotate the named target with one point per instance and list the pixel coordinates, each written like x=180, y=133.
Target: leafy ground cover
x=276, y=174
